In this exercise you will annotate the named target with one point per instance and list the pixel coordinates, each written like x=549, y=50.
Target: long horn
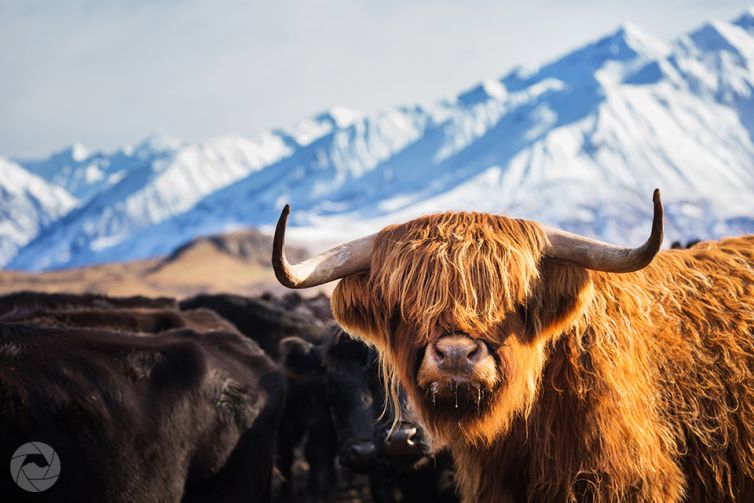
x=593, y=254
x=338, y=262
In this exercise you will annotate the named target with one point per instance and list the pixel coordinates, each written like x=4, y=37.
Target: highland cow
x=557, y=367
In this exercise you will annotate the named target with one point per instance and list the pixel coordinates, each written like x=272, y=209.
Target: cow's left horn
x=599, y=256
x=338, y=262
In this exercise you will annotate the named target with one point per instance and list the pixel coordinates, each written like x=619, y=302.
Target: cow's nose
x=457, y=354
x=404, y=441
x=362, y=450
x=359, y=456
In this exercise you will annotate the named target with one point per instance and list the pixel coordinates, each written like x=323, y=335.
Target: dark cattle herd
x=213, y=398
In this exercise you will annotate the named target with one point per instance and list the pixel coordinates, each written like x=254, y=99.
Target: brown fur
x=635, y=387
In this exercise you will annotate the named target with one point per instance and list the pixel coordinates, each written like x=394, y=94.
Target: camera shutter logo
x=26, y=470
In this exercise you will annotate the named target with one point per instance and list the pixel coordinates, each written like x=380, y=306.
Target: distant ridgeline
x=579, y=142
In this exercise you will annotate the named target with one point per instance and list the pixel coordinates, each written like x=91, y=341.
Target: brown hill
x=237, y=262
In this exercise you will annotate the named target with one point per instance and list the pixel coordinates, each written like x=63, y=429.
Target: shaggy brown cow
x=552, y=377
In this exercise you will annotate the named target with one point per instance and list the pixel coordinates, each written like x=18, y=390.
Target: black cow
x=147, y=320
x=265, y=321
x=689, y=244
x=29, y=301
x=398, y=458
x=317, y=306
x=175, y=415
x=306, y=423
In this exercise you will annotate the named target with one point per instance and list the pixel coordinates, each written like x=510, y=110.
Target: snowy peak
x=84, y=173
x=154, y=144
x=65, y=158
x=487, y=90
x=717, y=36
x=75, y=153
x=746, y=21
x=309, y=130
x=17, y=181
x=609, y=55
x=338, y=117
x=27, y=204
x=159, y=179
x=625, y=43
x=717, y=60
x=632, y=37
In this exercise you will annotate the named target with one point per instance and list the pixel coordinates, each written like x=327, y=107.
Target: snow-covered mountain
x=579, y=143
x=84, y=173
x=27, y=204
x=156, y=181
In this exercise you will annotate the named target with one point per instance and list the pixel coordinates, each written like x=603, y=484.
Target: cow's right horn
x=338, y=262
x=599, y=256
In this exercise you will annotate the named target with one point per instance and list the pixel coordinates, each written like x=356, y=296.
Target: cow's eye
x=366, y=399
x=525, y=316
x=395, y=319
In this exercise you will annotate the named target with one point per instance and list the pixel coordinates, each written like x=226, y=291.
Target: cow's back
x=179, y=415
x=681, y=332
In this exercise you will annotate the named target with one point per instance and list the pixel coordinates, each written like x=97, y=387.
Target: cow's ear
x=357, y=311
x=559, y=296
x=300, y=356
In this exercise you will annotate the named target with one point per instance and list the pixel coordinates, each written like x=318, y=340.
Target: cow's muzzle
x=457, y=372
x=359, y=456
x=404, y=444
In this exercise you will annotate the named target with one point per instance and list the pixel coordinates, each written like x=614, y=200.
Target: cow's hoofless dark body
x=30, y=301
x=169, y=416
x=264, y=321
x=306, y=423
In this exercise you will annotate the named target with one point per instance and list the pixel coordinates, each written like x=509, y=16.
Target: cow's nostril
x=404, y=444
x=411, y=436
x=436, y=353
x=362, y=449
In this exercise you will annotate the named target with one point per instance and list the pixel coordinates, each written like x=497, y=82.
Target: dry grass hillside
x=237, y=262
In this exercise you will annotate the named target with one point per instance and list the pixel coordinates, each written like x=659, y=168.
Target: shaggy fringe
x=640, y=385
x=453, y=257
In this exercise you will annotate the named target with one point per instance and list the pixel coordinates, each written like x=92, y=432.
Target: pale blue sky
x=109, y=72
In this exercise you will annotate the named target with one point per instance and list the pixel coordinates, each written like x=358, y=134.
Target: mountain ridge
x=579, y=142
x=27, y=204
